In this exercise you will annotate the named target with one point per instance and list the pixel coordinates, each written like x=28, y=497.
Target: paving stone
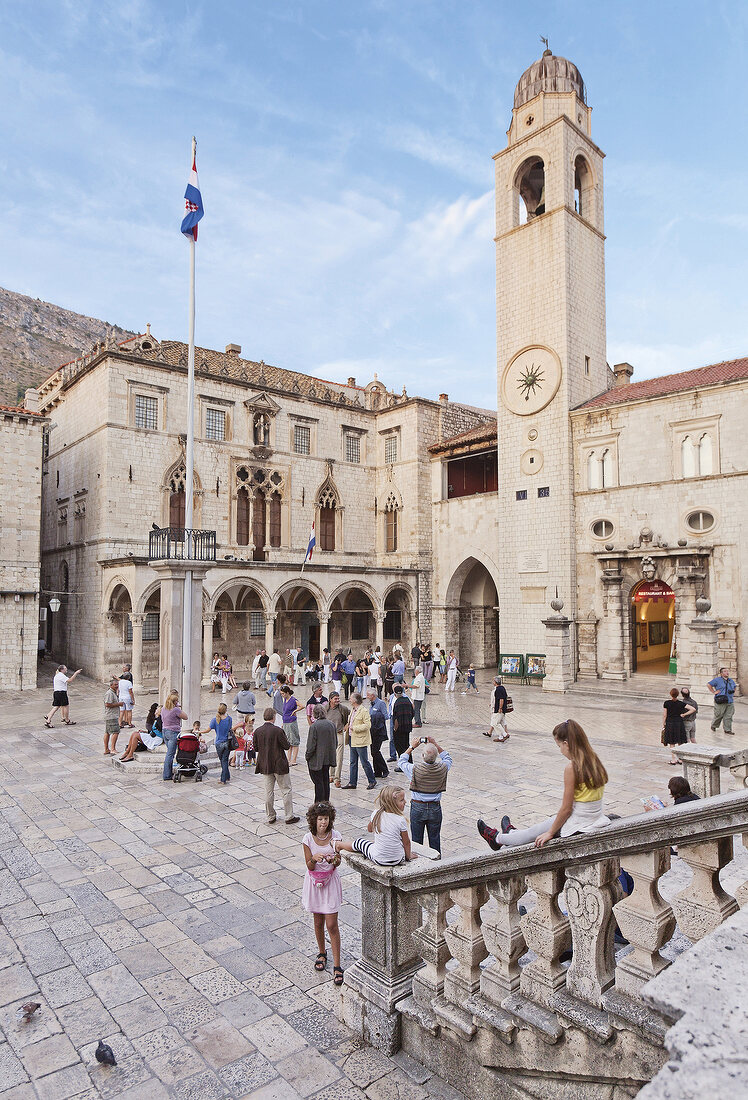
x=115, y=986
x=48, y=1055
x=177, y=1064
x=91, y=956
x=218, y=1042
x=267, y=983
x=203, y=1086
x=242, y=964
x=395, y=1086
x=139, y=1016
x=43, y=952
x=243, y=1010
x=12, y=1071
x=278, y=1089
x=275, y=1038
x=320, y=1029
x=144, y=960
x=364, y=1066
x=16, y=982
x=411, y=1067
x=157, y=1042
x=217, y=984
x=73, y=1081
x=85, y=1020
x=192, y=1014
x=308, y=1071
x=63, y=987
x=340, y=1090
x=247, y=1073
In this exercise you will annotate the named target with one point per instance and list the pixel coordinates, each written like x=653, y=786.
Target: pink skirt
x=326, y=898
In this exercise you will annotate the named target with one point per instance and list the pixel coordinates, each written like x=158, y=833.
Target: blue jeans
x=393, y=750
x=170, y=737
x=428, y=816
x=361, y=754
x=222, y=748
x=360, y=685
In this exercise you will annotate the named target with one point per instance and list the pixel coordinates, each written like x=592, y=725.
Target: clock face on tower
x=531, y=380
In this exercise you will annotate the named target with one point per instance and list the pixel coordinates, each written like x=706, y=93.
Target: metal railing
x=184, y=543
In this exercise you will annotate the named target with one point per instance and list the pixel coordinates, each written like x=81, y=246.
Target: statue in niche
x=261, y=430
x=649, y=568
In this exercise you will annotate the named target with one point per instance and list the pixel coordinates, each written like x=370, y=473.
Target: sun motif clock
x=531, y=380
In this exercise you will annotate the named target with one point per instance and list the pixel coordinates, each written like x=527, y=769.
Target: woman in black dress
x=673, y=729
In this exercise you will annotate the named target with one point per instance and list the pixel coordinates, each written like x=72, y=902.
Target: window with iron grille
x=390, y=449
x=257, y=624
x=146, y=411
x=302, y=439
x=150, y=628
x=352, y=448
x=215, y=424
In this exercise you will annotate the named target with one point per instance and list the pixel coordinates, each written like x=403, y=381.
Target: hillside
x=36, y=337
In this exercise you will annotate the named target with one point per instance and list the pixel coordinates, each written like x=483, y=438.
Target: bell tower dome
x=550, y=329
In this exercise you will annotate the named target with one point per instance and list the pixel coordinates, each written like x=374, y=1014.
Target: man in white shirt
x=274, y=666
x=451, y=671
x=417, y=696
x=256, y=670
x=60, y=699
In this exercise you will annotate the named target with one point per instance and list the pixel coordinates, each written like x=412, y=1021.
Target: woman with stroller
x=172, y=717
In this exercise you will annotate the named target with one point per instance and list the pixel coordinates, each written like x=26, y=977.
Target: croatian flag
x=193, y=205
x=310, y=547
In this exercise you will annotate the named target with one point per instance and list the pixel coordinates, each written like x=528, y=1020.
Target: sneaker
x=506, y=825
x=488, y=834
x=463, y=693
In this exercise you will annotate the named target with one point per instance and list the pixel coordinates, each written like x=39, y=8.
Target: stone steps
x=152, y=763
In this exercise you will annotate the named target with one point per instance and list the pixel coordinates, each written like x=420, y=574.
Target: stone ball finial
x=646, y=534
x=682, y=542
x=703, y=605
x=608, y=545
x=557, y=603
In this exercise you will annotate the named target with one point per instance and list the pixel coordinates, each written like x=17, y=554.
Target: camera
x=423, y=740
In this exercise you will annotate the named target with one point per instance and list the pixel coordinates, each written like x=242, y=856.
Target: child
x=391, y=843
x=291, y=707
x=215, y=672
x=201, y=734
x=322, y=894
x=470, y=681
x=237, y=758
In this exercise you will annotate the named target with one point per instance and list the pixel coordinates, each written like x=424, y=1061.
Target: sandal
x=338, y=975
x=321, y=961
x=69, y=723
x=337, y=782
x=47, y=723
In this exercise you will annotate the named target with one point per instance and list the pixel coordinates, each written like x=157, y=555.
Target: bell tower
x=550, y=327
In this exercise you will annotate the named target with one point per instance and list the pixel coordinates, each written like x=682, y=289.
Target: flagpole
x=187, y=701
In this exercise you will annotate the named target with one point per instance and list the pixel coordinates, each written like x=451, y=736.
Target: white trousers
x=451, y=678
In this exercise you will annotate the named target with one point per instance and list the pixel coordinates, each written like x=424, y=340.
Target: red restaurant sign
x=654, y=590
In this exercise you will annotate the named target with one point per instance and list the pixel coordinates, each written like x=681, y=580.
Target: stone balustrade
x=455, y=974
x=703, y=766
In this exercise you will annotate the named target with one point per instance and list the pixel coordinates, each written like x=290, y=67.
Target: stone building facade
x=622, y=498
x=275, y=451
x=21, y=436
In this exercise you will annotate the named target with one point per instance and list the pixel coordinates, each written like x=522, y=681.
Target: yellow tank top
x=583, y=793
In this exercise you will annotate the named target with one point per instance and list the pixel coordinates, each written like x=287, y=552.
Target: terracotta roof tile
x=716, y=374
x=20, y=410
x=482, y=433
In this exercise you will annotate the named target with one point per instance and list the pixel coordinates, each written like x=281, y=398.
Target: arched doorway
x=397, y=619
x=652, y=626
x=473, y=619
x=297, y=623
x=352, y=623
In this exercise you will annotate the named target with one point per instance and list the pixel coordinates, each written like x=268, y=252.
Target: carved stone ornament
x=649, y=568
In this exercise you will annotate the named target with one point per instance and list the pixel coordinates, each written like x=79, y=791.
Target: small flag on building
x=310, y=547
x=193, y=204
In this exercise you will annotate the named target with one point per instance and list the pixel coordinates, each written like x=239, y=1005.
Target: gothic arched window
x=390, y=524
x=531, y=189
x=327, y=502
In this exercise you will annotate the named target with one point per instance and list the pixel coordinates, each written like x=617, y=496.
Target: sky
x=344, y=154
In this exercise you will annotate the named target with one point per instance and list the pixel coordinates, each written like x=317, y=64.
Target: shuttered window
x=275, y=520
x=242, y=517
x=327, y=528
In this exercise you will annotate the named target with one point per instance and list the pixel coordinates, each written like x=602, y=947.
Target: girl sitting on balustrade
x=581, y=808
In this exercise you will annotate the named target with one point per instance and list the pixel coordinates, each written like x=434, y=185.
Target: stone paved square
x=167, y=919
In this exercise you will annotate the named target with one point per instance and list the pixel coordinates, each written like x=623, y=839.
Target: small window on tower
x=586, y=364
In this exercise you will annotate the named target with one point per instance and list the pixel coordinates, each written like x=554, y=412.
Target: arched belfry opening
x=584, y=190
x=530, y=189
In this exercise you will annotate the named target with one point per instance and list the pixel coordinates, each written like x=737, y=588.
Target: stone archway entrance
x=652, y=626
x=473, y=621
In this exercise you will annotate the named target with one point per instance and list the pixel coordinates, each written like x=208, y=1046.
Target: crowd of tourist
x=368, y=703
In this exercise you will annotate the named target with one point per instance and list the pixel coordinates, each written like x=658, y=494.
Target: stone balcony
x=452, y=973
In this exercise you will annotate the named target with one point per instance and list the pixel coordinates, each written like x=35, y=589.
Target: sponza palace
x=431, y=516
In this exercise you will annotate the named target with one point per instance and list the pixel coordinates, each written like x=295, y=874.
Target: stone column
x=613, y=664
x=390, y=958
x=587, y=647
x=208, y=620
x=269, y=631
x=171, y=670
x=137, y=621
x=380, y=617
x=691, y=578
x=559, y=671
x=703, y=646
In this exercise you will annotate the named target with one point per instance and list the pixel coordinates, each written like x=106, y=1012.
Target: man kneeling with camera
x=428, y=779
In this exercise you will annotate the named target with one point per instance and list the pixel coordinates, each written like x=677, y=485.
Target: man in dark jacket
x=321, y=745
x=379, y=714
x=271, y=745
x=402, y=721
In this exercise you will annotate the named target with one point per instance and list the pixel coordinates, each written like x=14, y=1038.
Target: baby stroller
x=187, y=763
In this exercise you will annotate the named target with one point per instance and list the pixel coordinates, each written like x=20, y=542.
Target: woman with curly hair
x=581, y=808
x=322, y=893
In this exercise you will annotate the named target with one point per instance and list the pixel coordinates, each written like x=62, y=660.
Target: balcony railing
x=457, y=974
x=184, y=543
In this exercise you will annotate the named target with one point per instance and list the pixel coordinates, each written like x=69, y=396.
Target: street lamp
x=54, y=604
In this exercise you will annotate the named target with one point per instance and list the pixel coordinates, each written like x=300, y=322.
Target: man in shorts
x=112, y=707
x=60, y=699
x=498, y=717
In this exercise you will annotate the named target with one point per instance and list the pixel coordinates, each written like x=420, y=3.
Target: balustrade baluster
x=547, y=934
x=503, y=936
x=428, y=982
x=465, y=942
x=590, y=894
x=645, y=919
x=704, y=905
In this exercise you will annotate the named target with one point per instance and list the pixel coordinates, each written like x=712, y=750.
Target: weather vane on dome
x=545, y=41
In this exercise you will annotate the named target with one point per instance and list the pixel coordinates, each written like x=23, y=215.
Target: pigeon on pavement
x=105, y=1054
x=25, y=1012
